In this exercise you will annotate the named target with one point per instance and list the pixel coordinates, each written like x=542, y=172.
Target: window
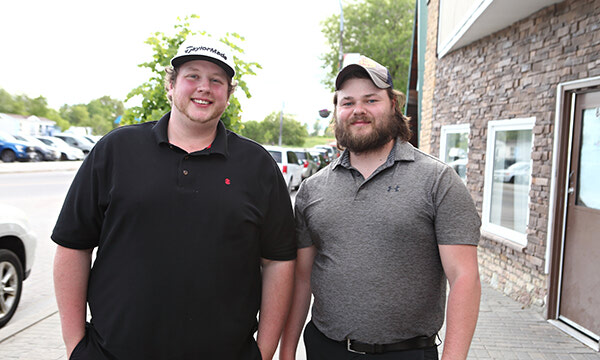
x=454, y=144
x=508, y=178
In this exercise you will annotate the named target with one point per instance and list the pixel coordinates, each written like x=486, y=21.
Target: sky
x=74, y=51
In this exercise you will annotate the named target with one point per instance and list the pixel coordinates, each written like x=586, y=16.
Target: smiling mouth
x=201, y=102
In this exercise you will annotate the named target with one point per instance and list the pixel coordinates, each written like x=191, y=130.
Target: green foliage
x=379, y=29
x=22, y=104
x=267, y=131
x=99, y=114
x=154, y=101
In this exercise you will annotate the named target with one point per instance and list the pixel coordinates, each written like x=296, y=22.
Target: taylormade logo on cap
x=200, y=49
x=205, y=48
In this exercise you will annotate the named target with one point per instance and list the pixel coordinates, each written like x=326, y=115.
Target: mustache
x=355, y=119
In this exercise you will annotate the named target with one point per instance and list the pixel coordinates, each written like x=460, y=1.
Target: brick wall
x=429, y=77
x=513, y=74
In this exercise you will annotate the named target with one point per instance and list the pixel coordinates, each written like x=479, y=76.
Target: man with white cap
x=193, y=227
x=380, y=231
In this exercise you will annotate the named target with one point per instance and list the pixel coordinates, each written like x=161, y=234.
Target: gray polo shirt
x=377, y=276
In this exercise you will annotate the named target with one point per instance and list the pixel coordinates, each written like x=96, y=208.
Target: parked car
x=332, y=151
x=76, y=141
x=92, y=138
x=324, y=154
x=12, y=149
x=289, y=164
x=67, y=152
x=309, y=166
x=45, y=152
x=519, y=170
x=319, y=158
x=17, y=250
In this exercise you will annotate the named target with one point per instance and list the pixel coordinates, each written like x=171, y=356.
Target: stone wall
x=514, y=73
x=429, y=74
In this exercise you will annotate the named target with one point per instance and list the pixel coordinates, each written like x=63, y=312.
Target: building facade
x=510, y=97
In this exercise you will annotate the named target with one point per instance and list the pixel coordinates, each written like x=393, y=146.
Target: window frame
x=493, y=127
x=453, y=129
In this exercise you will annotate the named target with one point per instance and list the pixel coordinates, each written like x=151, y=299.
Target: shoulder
x=127, y=132
x=428, y=163
x=246, y=149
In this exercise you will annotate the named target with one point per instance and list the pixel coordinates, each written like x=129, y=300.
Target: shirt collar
x=218, y=146
x=402, y=151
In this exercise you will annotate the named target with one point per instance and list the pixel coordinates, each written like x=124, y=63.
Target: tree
x=253, y=130
x=267, y=131
x=379, y=29
x=153, y=93
x=76, y=115
x=103, y=112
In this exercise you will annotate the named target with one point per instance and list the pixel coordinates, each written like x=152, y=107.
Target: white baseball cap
x=378, y=73
x=205, y=48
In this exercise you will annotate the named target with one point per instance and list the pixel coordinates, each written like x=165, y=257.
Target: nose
x=358, y=110
x=202, y=85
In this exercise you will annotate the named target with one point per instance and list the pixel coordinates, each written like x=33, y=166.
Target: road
x=40, y=195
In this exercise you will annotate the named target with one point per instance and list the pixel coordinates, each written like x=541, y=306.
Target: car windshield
x=301, y=155
x=7, y=137
x=31, y=140
x=276, y=155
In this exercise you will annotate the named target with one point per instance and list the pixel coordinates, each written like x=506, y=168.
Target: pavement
x=505, y=330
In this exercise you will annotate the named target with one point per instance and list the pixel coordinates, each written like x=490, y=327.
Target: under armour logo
x=395, y=188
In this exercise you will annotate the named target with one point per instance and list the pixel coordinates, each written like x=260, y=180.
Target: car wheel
x=8, y=156
x=64, y=157
x=11, y=284
x=38, y=156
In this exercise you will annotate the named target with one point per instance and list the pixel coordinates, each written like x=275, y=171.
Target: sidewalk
x=21, y=167
x=505, y=331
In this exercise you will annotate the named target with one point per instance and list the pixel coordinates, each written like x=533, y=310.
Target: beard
x=383, y=130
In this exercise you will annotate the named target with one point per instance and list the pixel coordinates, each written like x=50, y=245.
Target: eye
x=347, y=103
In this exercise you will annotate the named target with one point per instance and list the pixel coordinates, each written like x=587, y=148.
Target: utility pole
x=280, y=123
x=341, y=56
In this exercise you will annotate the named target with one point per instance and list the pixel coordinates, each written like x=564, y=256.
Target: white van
x=289, y=164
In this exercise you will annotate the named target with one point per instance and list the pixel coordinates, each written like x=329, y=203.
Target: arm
x=300, y=304
x=461, y=268
x=71, y=273
x=277, y=287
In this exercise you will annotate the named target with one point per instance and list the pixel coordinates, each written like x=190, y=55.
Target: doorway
x=575, y=280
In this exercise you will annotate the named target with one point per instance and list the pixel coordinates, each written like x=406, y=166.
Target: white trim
x=563, y=326
x=474, y=14
x=451, y=129
x=493, y=127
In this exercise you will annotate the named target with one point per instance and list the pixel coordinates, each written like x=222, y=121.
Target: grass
x=317, y=140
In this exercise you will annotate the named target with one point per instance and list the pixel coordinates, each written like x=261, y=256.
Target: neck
x=191, y=136
x=367, y=162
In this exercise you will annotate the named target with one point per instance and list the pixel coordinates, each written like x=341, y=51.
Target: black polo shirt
x=180, y=236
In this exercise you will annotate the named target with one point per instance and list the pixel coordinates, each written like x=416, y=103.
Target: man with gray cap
x=193, y=228
x=380, y=231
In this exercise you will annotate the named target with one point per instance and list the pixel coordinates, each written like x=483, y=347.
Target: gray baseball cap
x=205, y=48
x=378, y=73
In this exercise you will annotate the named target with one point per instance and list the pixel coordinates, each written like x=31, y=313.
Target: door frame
x=561, y=155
